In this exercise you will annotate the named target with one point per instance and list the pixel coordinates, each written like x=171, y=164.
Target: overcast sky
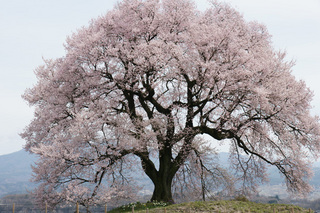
x=35, y=29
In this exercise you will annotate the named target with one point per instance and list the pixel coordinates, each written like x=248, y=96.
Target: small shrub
x=241, y=198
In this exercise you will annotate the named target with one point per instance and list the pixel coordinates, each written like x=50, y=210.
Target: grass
x=211, y=206
x=139, y=207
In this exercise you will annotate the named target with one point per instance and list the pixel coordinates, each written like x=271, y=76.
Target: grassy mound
x=211, y=206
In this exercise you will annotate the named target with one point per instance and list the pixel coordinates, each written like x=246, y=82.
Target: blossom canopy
x=149, y=79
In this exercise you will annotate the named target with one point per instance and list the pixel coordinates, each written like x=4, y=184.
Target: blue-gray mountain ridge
x=16, y=172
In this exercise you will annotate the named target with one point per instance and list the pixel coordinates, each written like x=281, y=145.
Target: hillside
x=212, y=206
x=15, y=173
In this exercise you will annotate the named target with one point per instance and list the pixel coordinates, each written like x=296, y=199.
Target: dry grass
x=217, y=207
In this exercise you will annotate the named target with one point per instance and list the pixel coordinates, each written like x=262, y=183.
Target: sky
x=33, y=30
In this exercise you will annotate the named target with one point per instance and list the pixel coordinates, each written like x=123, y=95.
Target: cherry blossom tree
x=156, y=85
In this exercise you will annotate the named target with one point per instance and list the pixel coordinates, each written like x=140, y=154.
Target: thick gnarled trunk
x=162, y=178
x=162, y=189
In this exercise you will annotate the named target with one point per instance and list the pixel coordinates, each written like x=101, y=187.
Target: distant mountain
x=15, y=173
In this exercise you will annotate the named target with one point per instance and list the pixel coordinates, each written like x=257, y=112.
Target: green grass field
x=211, y=206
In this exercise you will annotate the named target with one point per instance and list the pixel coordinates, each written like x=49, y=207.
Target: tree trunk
x=162, y=178
x=162, y=189
x=168, y=167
